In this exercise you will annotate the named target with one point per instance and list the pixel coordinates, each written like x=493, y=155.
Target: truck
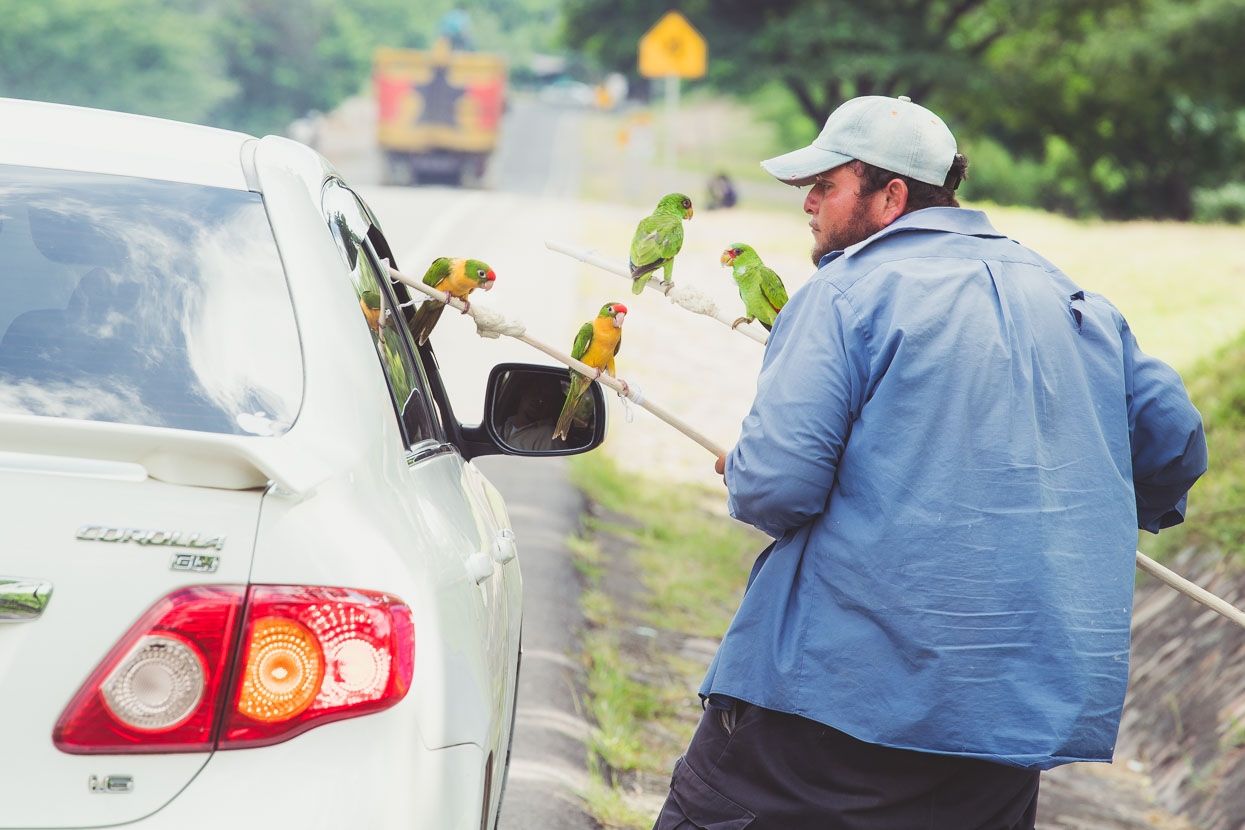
x=438, y=112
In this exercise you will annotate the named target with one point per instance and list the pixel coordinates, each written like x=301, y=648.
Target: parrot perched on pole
x=759, y=287
x=457, y=278
x=373, y=305
x=596, y=344
x=658, y=237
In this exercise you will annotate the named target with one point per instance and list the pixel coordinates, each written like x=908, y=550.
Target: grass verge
x=665, y=570
x=1215, y=522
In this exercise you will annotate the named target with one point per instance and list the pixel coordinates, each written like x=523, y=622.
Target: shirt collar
x=945, y=219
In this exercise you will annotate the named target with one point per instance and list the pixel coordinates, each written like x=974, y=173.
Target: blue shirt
x=954, y=446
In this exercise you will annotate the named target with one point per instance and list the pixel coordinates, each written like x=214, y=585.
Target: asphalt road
x=531, y=186
x=548, y=765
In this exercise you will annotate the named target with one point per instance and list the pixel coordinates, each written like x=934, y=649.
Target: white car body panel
x=269, y=786
x=336, y=500
x=89, y=611
x=77, y=138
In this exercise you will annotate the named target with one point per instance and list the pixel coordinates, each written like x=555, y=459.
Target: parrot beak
x=490, y=278
x=687, y=214
x=618, y=319
x=727, y=257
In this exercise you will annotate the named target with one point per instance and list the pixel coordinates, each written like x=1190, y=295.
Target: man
x=953, y=445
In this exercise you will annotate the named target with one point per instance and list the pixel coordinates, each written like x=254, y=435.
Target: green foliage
x=775, y=105
x=694, y=562
x=1125, y=108
x=253, y=65
x=1220, y=204
x=1054, y=181
x=139, y=56
x=1216, y=514
x=288, y=58
x=1131, y=91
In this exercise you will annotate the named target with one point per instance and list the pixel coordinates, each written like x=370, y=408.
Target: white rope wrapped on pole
x=493, y=324
x=686, y=296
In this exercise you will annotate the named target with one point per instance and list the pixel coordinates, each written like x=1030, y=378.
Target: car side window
x=351, y=225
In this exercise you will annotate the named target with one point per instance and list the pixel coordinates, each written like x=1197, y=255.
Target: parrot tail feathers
x=638, y=271
x=564, y=419
x=425, y=319
x=579, y=385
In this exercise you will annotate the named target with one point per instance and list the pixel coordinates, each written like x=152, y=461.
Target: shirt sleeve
x=1168, y=443
x=809, y=392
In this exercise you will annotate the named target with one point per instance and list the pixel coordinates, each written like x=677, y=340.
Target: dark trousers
x=755, y=768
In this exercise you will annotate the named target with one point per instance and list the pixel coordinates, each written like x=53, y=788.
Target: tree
x=139, y=56
x=823, y=50
x=1150, y=95
x=286, y=58
x=1142, y=99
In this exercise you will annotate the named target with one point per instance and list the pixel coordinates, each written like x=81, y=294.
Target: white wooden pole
x=688, y=297
x=493, y=324
x=1190, y=589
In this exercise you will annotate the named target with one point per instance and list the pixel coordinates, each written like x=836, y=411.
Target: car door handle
x=504, y=548
x=23, y=599
x=480, y=566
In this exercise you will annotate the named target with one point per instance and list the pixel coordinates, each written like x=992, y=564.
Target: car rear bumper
x=357, y=773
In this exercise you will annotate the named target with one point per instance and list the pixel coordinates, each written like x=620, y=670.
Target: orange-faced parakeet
x=596, y=344
x=658, y=237
x=373, y=305
x=759, y=287
x=457, y=278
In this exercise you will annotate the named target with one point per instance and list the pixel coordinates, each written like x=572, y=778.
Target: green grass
x=693, y=563
x=1215, y=520
x=610, y=806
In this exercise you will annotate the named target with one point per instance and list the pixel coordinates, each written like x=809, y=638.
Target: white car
x=249, y=576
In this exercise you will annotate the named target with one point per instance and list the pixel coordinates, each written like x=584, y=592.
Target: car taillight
x=301, y=657
x=313, y=655
x=158, y=689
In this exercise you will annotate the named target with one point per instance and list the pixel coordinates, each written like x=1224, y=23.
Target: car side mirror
x=522, y=406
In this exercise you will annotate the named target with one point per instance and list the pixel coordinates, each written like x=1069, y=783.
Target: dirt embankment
x=1184, y=717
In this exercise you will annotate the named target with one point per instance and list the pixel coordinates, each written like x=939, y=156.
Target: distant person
x=953, y=445
x=455, y=27
x=721, y=192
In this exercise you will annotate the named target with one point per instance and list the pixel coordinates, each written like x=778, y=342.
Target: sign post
x=672, y=49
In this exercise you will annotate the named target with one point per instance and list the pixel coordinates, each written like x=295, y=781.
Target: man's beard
x=857, y=229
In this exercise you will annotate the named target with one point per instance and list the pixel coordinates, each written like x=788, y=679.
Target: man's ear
x=892, y=201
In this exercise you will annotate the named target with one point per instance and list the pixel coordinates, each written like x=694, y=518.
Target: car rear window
x=143, y=302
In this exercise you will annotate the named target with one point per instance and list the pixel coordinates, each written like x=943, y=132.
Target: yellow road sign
x=672, y=47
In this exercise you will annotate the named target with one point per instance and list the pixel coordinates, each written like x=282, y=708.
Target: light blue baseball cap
x=891, y=133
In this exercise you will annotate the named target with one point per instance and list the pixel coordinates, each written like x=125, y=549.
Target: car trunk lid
x=90, y=545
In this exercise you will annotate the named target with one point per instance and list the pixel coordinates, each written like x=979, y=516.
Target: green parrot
x=596, y=344
x=457, y=278
x=759, y=287
x=657, y=239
